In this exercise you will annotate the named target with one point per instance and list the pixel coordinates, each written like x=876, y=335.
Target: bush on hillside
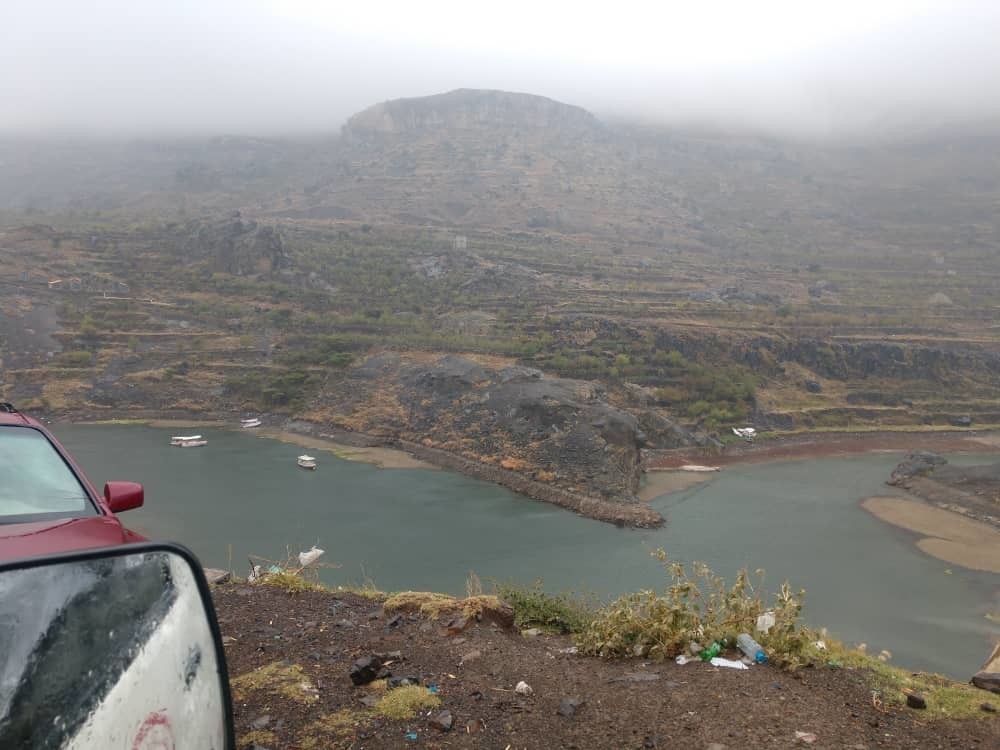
x=699, y=606
x=533, y=607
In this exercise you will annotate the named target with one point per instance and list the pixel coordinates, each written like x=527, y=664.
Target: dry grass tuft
x=330, y=728
x=287, y=680
x=404, y=702
x=257, y=737
x=434, y=605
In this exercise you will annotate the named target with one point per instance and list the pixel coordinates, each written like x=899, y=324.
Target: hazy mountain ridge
x=480, y=109
x=490, y=159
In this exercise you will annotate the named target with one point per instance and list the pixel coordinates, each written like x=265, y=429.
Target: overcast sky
x=145, y=67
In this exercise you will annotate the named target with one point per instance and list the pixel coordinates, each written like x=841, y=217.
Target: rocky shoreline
x=636, y=515
x=309, y=434
x=396, y=452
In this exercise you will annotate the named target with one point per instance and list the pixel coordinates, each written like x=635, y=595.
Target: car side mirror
x=122, y=496
x=115, y=647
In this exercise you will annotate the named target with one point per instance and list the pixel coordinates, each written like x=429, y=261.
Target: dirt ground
x=625, y=704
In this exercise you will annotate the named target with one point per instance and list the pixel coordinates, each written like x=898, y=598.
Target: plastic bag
x=309, y=557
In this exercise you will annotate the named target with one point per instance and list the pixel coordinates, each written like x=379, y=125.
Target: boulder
x=365, y=670
x=915, y=700
x=442, y=721
x=916, y=464
x=988, y=677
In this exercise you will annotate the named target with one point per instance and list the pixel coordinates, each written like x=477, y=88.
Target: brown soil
x=820, y=445
x=687, y=706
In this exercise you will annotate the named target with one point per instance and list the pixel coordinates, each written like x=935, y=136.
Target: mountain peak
x=470, y=109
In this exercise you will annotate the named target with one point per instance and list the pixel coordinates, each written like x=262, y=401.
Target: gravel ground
x=621, y=704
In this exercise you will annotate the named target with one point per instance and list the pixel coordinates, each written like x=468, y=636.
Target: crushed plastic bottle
x=711, y=652
x=751, y=648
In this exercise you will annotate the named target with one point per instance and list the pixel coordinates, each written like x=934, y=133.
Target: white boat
x=252, y=422
x=192, y=443
x=307, y=462
x=747, y=433
x=178, y=439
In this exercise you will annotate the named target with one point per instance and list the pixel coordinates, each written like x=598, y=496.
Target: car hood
x=46, y=537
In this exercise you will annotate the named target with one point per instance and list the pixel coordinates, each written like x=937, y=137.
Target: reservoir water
x=418, y=529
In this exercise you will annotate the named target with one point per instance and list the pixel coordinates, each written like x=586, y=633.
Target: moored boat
x=193, y=443
x=307, y=462
x=252, y=422
x=178, y=439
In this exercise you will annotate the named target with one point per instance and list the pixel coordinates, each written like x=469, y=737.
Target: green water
x=411, y=528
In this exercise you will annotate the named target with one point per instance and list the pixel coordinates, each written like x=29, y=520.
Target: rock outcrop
x=234, y=246
x=916, y=464
x=554, y=439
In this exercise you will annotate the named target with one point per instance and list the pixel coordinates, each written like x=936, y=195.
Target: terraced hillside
x=680, y=283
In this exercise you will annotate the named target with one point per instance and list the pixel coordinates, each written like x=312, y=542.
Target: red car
x=46, y=503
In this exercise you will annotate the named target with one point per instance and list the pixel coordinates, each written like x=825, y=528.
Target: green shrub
x=533, y=607
x=699, y=606
x=74, y=359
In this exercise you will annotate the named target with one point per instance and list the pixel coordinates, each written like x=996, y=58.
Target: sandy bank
x=657, y=483
x=946, y=535
x=386, y=458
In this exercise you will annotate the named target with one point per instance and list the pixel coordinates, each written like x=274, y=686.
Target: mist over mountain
x=260, y=68
x=483, y=158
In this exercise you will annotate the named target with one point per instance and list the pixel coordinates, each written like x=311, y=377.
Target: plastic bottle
x=751, y=648
x=711, y=652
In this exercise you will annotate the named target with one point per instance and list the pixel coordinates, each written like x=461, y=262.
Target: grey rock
x=813, y=386
x=345, y=624
x=442, y=721
x=987, y=681
x=916, y=700
x=471, y=656
x=988, y=707
x=458, y=624
x=531, y=632
x=370, y=700
x=365, y=669
x=569, y=706
x=402, y=681
x=261, y=721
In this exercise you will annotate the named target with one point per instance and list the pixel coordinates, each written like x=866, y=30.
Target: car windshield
x=36, y=482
